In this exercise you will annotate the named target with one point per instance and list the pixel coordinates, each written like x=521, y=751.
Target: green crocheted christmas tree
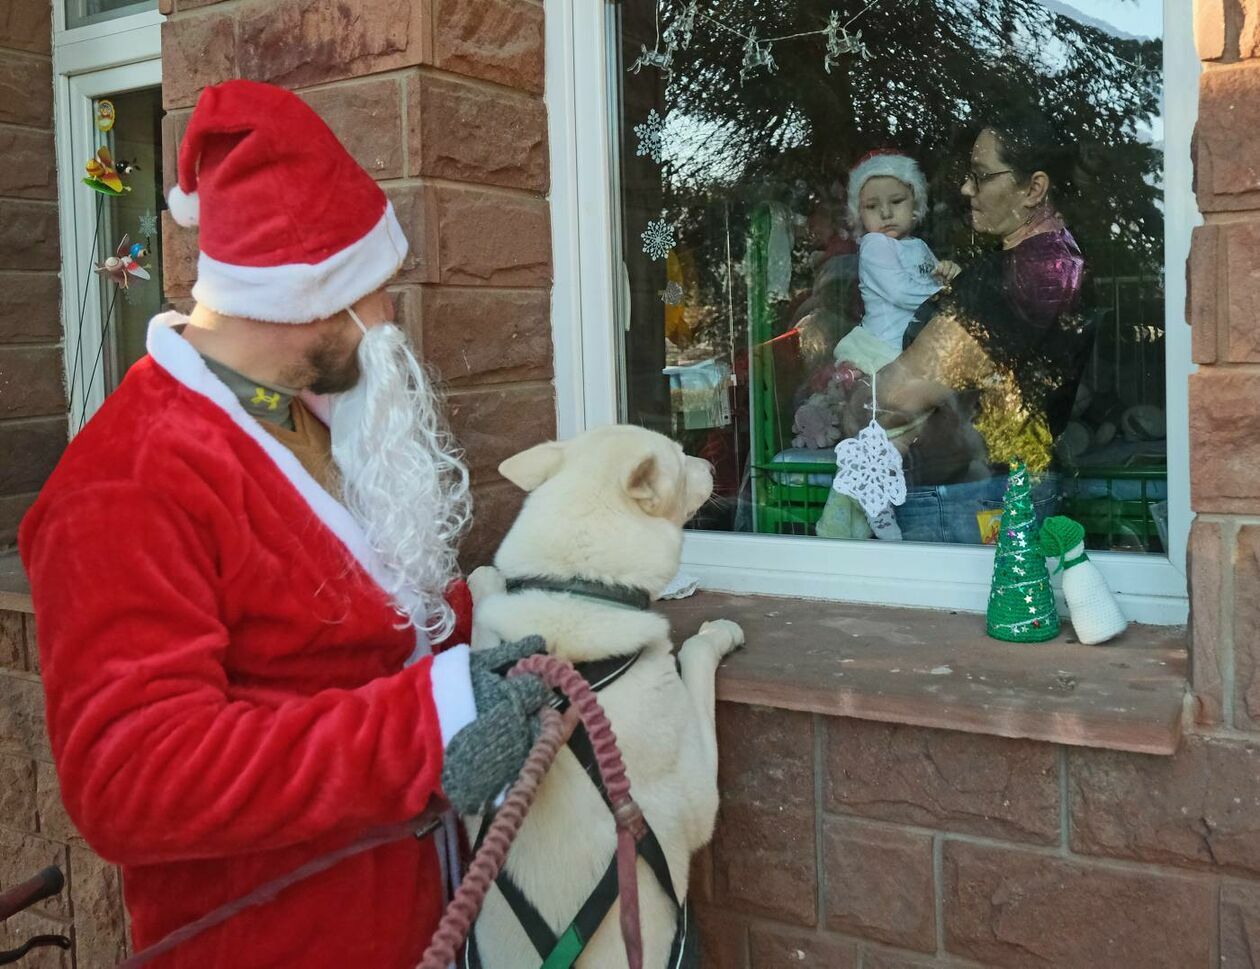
x=1021, y=601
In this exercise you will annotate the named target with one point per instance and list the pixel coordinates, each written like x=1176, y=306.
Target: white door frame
x=90, y=62
x=587, y=291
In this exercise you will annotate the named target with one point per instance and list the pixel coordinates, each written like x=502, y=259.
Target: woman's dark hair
x=1028, y=142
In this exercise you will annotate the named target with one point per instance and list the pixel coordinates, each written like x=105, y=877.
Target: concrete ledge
x=939, y=669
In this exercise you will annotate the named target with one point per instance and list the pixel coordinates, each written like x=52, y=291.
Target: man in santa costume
x=236, y=602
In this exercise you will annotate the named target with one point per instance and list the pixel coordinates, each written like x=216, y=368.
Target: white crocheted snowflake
x=869, y=470
x=673, y=294
x=651, y=135
x=148, y=225
x=658, y=238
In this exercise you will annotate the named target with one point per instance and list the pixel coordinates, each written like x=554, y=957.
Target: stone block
x=1205, y=576
x=1246, y=607
x=23, y=855
x=882, y=959
x=417, y=210
x=476, y=133
x=1227, y=172
x=1241, y=256
x=483, y=336
x=17, y=794
x=30, y=307
x=174, y=124
x=1240, y=926
x=879, y=883
x=1249, y=34
x=23, y=926
x=32, y=383
x=764, y=852
x=298, y=43
x=367, y=118
x=491, y=425
x=179, y=257
x=54, y=823
x=498, y=40
x=29, y=170
x=723, y=939
x=775, y=949
x=100, y=933
x=1205, y=282
x=495, y=507
x=1224, y=441
x=12, y=641
x=29, y=235
x=32, y=448
x=26, y=25
x=22, y=732
x=700, y=878
x=196, y=51
x=1019, y=909
x=1199, y=808
x=12, y=508
x=943, y=779
x=26, y=91
x=1209, y=29
x=493, y=238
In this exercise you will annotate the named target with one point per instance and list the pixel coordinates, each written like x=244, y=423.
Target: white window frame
x=113, y=56
x=588, y=290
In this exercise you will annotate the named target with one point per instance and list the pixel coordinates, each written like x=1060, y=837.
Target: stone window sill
x=939, y=669
x=923, y=668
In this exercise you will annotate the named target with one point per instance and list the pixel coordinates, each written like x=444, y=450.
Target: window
x=108, y=77
x=79, y=13
x=750, y=309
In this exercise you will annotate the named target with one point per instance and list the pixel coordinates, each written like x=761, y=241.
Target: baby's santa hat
x=887, y=163
x=292, y=229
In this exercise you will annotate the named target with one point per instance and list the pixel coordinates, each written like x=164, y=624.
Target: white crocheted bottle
x=1095, y=614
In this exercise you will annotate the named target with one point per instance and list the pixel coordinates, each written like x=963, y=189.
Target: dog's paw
x=724, y=629
x=485, y=582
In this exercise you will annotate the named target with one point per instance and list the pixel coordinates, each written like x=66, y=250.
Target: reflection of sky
x=688, y=142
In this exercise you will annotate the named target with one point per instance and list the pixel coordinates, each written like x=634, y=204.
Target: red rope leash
x=463, y=910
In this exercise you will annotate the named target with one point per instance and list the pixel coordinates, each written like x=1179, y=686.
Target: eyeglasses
x=976, y=179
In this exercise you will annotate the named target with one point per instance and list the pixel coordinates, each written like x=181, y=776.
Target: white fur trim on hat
x=901, y=167
x=185, y=207
x=303, y=292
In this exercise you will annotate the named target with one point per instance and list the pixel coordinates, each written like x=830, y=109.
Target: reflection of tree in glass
x=939, y=66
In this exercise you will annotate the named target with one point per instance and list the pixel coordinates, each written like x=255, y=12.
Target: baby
x=897, y=272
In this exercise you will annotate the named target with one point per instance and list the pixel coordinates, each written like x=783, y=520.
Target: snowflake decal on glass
x=869, y=470
x=658, y=238
x=672, y=295
x=148, y=226
x=651, y=135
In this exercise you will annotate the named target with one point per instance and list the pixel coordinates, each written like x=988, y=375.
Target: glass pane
x=136, y=148
x=82, y=12
x=998, y=261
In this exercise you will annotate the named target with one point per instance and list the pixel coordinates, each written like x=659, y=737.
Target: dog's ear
x=645, y=483
x=531, y=468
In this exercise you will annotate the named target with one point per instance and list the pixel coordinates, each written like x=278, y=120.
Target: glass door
x=113, y=202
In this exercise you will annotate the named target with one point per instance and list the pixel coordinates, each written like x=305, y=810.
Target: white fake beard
x=402, y=477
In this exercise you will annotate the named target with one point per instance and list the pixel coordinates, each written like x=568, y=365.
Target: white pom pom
x=185, y=207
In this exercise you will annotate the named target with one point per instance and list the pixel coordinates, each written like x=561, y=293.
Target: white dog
x=604, y=516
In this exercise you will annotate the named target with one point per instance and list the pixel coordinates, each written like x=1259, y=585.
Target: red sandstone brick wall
x=32, y=396
x=441, y=100
x=1224, y=311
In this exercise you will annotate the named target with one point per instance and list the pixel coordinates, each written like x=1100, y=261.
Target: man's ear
x=531, y=468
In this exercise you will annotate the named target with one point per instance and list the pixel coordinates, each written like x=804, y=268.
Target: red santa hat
x=292, y=229
x=887, y=163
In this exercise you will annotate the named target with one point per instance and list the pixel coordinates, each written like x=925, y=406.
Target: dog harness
x=560, y=952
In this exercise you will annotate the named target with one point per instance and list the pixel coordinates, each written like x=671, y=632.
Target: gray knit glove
x=484, y=757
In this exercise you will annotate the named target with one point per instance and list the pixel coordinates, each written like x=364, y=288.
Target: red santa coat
x=225, y=681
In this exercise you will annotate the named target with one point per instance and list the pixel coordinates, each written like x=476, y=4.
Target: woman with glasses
x=996, y=364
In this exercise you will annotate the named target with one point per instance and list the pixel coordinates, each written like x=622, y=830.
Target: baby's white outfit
x=895, y=277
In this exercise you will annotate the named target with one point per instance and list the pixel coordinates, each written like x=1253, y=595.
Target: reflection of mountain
x=1067, y=10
